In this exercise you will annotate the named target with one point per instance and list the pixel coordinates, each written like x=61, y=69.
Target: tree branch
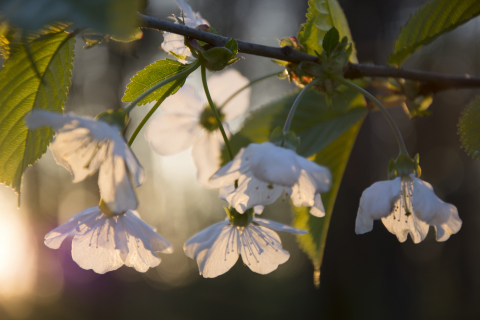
x=431, y=82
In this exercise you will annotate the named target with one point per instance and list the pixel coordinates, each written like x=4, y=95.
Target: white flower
x=83, y=146
x=217, y=248
x=187, y=120
x=265, y=171
x=103, y=243
x=407, y=206
x=173, y=42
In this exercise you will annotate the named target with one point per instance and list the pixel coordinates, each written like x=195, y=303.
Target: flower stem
x=154, y=108
x=288, y=122
x=251, y=83
x=215, y=112
x=401, y=144
x=160, y=84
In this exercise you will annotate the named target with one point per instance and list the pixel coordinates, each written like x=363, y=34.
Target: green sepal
x=288, y=140
x=392, y=173
x=330, y=41
x=118, y=118
x=404, y=165
x=239, y=219
x=416, y=162
x=291, y=141
x=276, y=136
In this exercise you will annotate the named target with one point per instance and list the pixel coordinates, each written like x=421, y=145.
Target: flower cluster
x=112, y=234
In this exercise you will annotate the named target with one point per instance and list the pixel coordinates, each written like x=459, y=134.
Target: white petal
x=153, y=239
x=318, y=175
x=428, y=207
x=261, y=249
x=230, y=172
x=203, y=239
x=252, y=192
x=115, y=186
x=376, y=202
x=223, y=85
x=258, y=209
x=273, y=164
x=318, y=209
x=77, y=224
x=303, y=192
x=448, y=228
x=96, y=248
x=175, y=43
x=225, y=191
x=141, y=256
x=185, y=102
x=278, y=226
x=216, y=252
x=78, y=152
x=169, y=134
x=207, y=154
x=401, y=226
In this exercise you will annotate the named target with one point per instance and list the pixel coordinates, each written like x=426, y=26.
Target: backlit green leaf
x=151, y=75
x=21, y=90
x=322, y=15
x=315, y=123
x=469, y=128
x=335, y=157
x=431, y=21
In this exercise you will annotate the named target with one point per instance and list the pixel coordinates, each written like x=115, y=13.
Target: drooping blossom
x=175, y=43
x=187, y=120
x=266, y=171
x=83, y=146
x=102, y=243
x=218, y=247
x=406, y=206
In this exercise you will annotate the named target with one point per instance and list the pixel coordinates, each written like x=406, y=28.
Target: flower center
x=239, y=220
x=404, y=207
x=207, y=119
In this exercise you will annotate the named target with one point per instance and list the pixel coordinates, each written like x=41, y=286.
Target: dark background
x=363, y=277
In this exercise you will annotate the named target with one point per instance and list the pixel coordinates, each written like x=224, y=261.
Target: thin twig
x=431, y=82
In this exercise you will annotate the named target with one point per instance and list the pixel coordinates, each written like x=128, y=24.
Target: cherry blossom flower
x=265, y=172
x=104, y=243
x=187, y=121
x=218, y=247
x=407, y=205
x=84, y=145
x=175, y=43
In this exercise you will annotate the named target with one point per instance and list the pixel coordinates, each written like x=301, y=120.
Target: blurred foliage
x=37, y=76
x=431, y=21
x=469, y=128
x=116, y=17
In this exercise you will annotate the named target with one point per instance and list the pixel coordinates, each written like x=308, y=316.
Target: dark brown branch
x=432, y=82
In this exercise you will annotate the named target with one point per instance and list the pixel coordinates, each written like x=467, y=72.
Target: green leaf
x=314, y=122
x=322, y=15
x=335, y=157
x=330, y=41
x=151, y=75
x=105, y=16
x=22, y=90
x=431, y=21
x=469, y=128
